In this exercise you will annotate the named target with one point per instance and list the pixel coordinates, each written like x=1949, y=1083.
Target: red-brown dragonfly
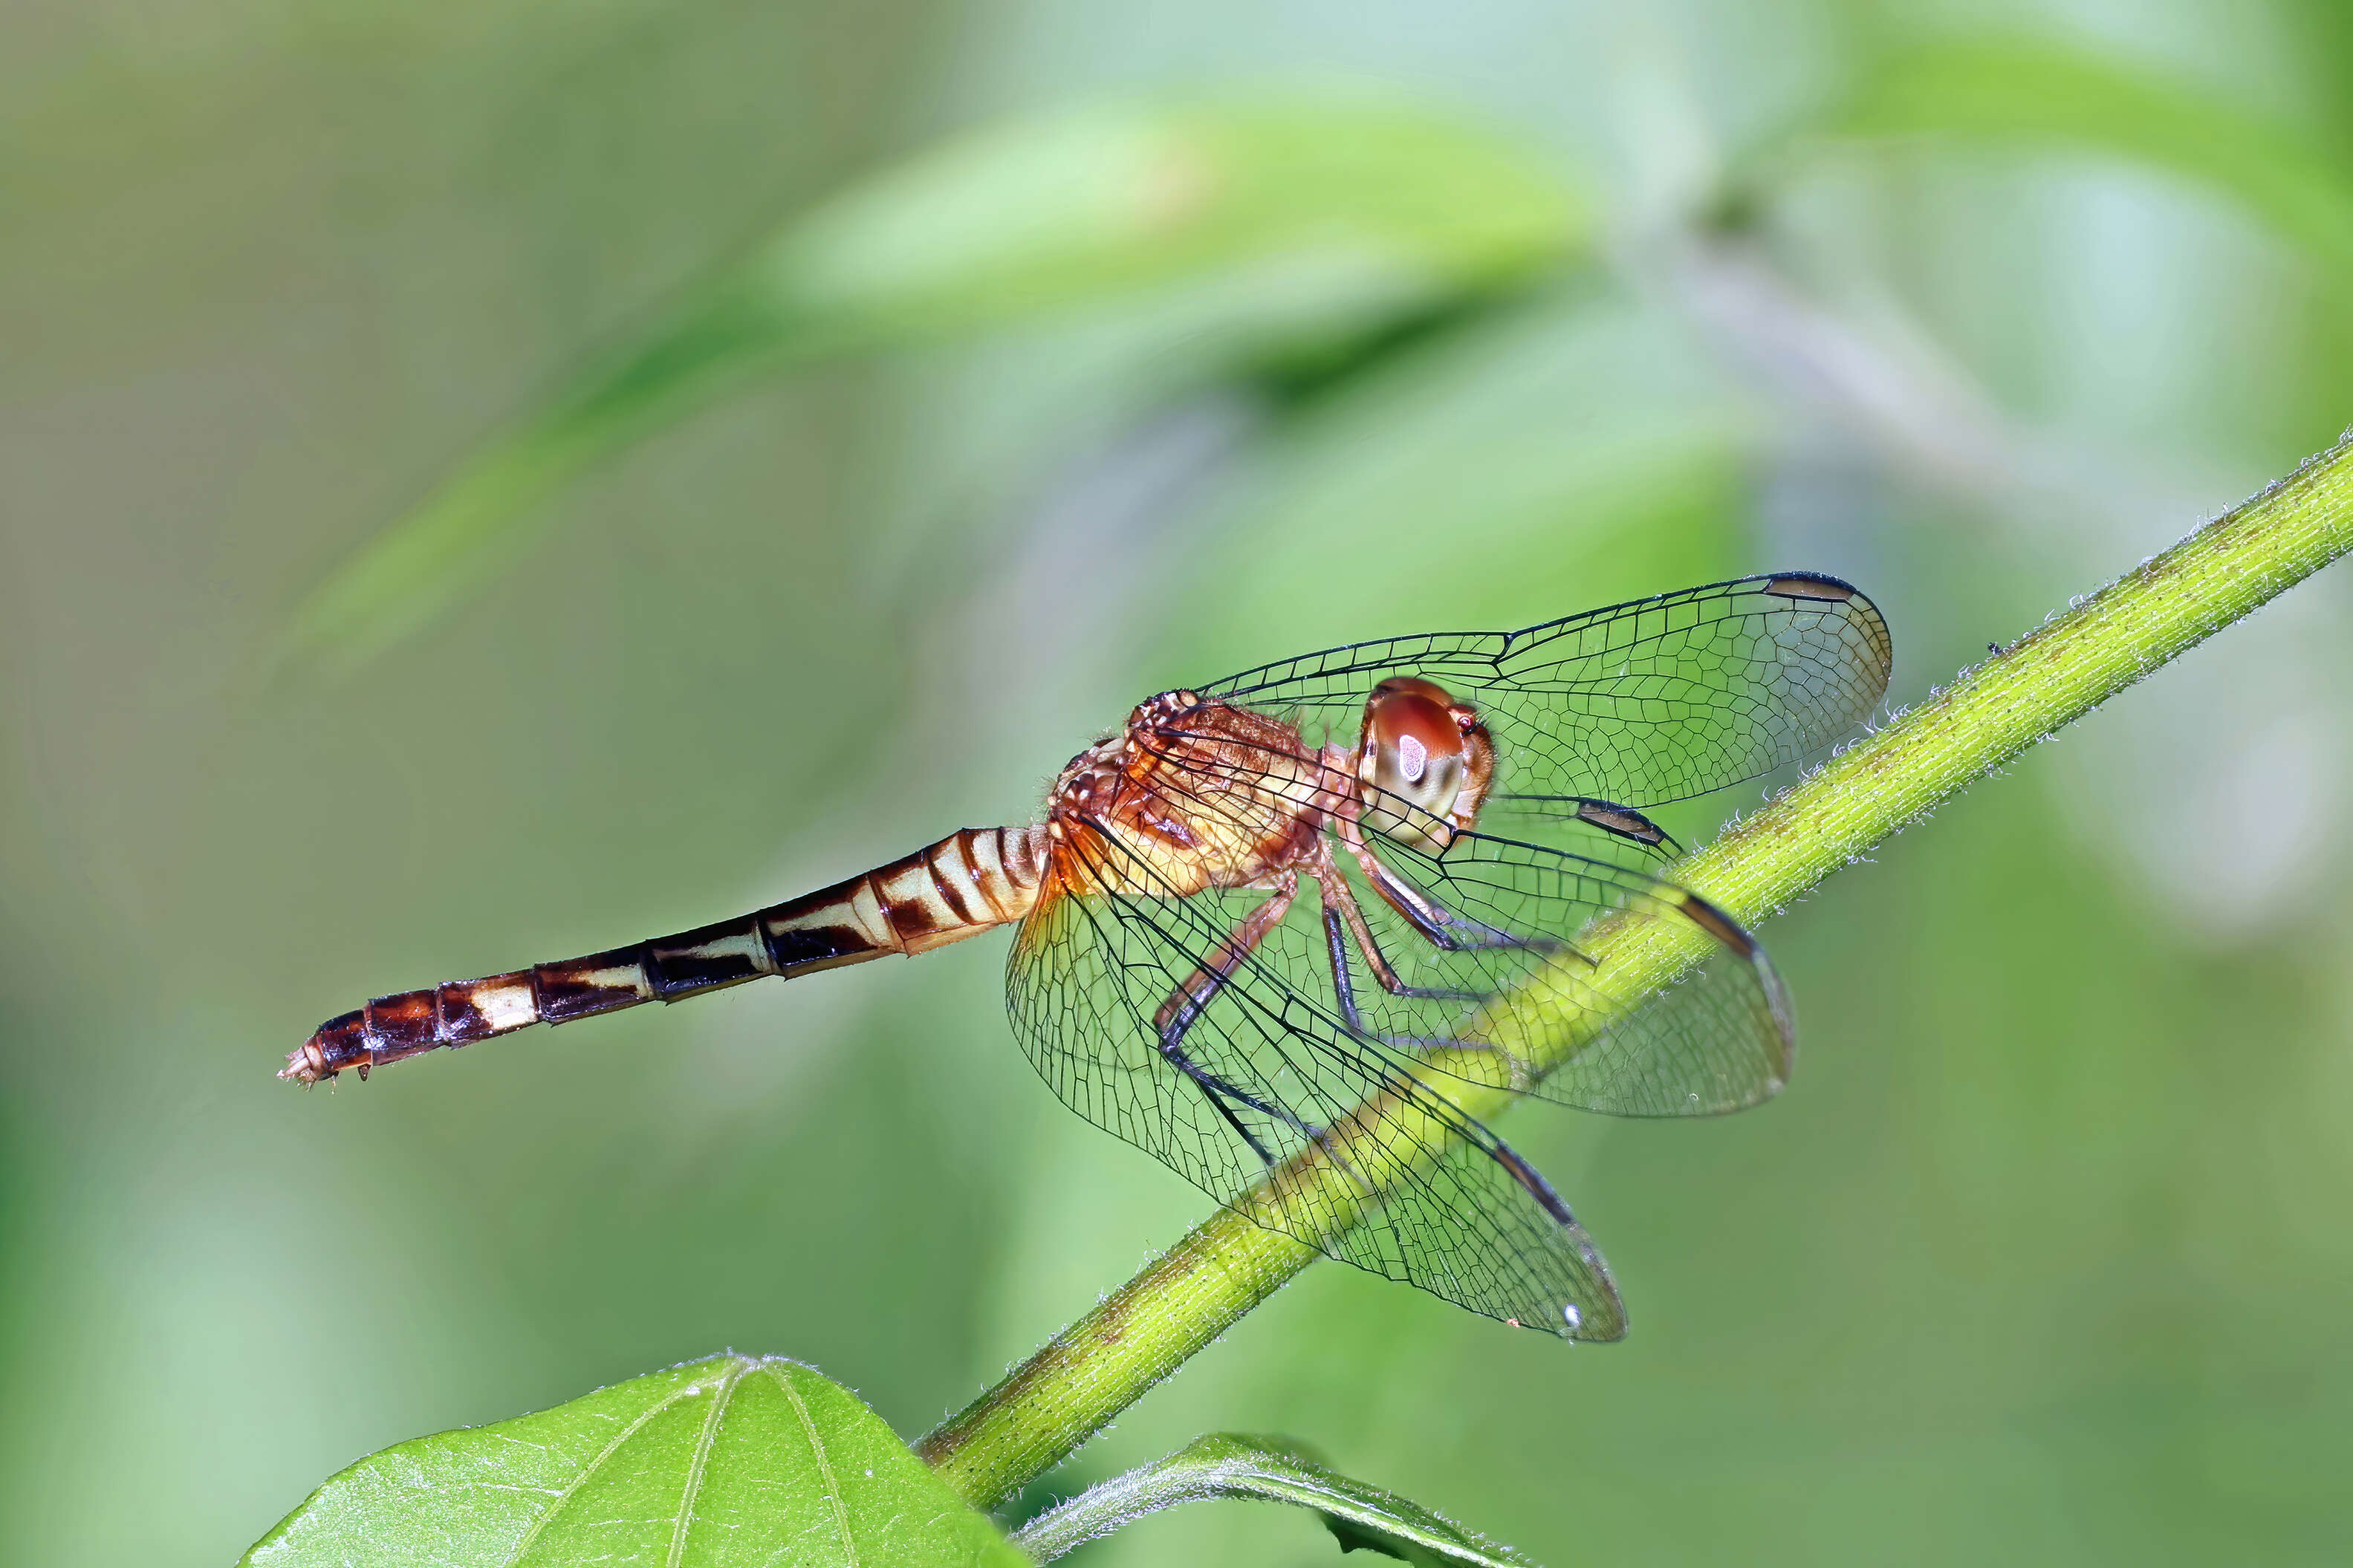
x=1266, y=903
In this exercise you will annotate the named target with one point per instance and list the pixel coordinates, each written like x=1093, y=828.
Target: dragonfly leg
x=1344, y=986
x=1188, y=1002
x=1344, y=919
x=1430, y=918
x=1440, y=926
x=1217, y=1091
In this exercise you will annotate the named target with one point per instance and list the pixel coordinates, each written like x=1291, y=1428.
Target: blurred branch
x=1882, y=378
x=1892, y=391
x=1907, y=405
x=1143, y=1331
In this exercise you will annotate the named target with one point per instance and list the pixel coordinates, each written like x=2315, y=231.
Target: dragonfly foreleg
x=1343, y=918
x=1440, y=926
x=1191, y=998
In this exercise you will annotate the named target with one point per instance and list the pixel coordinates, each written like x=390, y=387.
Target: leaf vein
x=590, y=1468
x=824, y=1468
x=702, y=1446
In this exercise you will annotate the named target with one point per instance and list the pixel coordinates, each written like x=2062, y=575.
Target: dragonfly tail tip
x=307, y=1065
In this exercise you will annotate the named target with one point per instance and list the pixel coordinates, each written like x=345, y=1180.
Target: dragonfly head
x=1427, y=763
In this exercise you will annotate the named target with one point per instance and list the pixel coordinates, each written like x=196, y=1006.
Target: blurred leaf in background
x=1312, y=222
x=2034, y=100
x=1236, y=1465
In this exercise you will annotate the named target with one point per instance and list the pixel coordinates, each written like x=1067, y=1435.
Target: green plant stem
x=1099, y=1365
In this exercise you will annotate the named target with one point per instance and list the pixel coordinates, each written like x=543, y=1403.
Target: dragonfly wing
x=1436, y=1199
x=1720, y=1038
x=1639, y=704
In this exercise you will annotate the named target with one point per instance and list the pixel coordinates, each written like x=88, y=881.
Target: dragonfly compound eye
x=1416, y=756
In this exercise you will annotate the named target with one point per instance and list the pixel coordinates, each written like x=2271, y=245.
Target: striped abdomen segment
x=965, y=884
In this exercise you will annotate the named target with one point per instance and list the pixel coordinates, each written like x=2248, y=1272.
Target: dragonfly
x=1282, y=921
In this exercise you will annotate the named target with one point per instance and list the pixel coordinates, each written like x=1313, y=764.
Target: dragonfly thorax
x=1192, y=794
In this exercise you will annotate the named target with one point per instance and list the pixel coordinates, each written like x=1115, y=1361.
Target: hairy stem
x=1150, y=1326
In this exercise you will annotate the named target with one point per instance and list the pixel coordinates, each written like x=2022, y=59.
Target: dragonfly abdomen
x=968, y=882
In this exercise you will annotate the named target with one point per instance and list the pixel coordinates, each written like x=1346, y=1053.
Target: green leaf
x=1041, y=216
x=1235, y=1465
x=1321, y=214
x=2032, y=95
x=734, y=1460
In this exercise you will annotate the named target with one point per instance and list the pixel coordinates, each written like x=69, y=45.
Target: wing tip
x=1600, y=1320
x=1819, y=586
x=1731, y=934
x=1604, y=1326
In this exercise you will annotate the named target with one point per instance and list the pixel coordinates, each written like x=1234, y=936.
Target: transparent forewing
x=1260, y=1073
x=1639, y=704
x=1508, y=995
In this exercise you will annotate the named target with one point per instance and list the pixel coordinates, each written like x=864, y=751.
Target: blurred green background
x=2041, y=1258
